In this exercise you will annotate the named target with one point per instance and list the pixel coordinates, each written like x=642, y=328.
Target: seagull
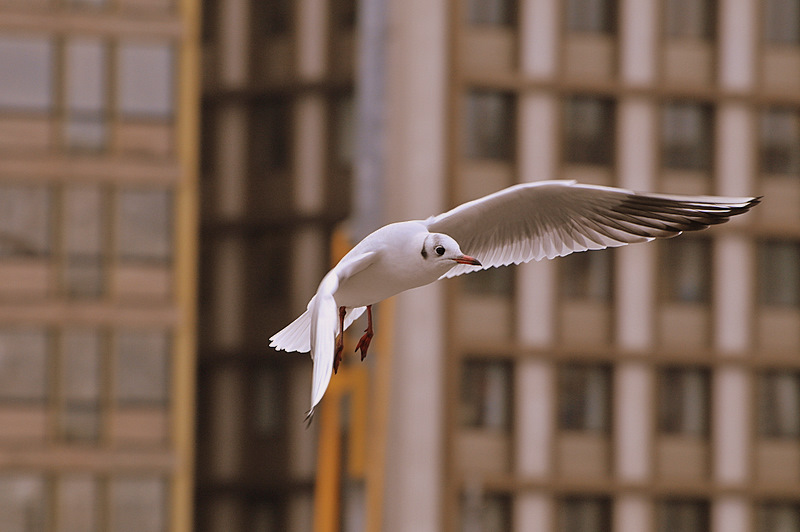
x=521, y=223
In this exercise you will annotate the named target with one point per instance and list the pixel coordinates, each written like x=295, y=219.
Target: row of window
x=90, y=81
x=584, y=390
x=690, y=19
x=87, y=229
x=84, y=502
x=686, y=132
x=684, y=272
x=594, y=513
x=79, y=373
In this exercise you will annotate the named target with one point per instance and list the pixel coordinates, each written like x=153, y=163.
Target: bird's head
x=444, y=252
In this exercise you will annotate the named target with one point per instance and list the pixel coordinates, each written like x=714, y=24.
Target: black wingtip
x=309, y=418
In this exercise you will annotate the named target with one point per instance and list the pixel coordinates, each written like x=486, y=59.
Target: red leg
x=337, y=356
x=363, y=344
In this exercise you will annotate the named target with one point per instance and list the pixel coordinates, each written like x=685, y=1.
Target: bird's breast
x=378, y=282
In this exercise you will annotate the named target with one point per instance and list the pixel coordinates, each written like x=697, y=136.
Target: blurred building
x=654, y=387
x=97, y=264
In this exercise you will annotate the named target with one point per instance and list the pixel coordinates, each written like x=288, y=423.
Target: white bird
x=518, y=224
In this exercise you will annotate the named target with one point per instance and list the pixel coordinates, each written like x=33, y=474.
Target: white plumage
x=518, y=224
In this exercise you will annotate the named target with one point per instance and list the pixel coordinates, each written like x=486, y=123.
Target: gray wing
x=547, y=219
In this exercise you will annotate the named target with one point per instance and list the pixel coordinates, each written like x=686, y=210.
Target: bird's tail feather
x=297, y=335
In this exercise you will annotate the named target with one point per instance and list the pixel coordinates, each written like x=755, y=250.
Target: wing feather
x=548, y=219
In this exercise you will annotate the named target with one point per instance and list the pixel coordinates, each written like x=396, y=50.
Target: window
x=778, y=516
x=584, y=514
x=683, y=401
x=692, y=19
x=779, y=404
x=143, y=224
x=492, y=12
x=344, y=134
x=274, y=17
x=685, y=263
x=782, y=21
x=77, y=499
x=271, y=131
x=86, y=94
x=138, y=504
x=486, y=394
x=587, y=275
x=780, y=141
x=778, y=274
x=491, y=282
x=26, y=79
x=23, y=502
x=24, y=220
x=593, y=16
x=490, y=125
x=686, y=136
x=686, y=515
x=589, y=130
x=80, y=365
x=142, y=366
x=584, y=397
x=483, y=512
x=144, y=80
x=83, y=224
x=24, y=363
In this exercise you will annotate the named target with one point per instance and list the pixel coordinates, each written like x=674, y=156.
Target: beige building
x=654, y=387
x=97, y=235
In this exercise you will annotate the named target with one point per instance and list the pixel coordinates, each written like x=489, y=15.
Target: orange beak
x=466, y=259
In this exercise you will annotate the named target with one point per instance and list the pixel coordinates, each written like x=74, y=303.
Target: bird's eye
x=439, y=250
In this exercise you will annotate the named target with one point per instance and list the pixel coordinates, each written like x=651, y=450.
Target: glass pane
x=23, y=506
x=24, y=220
x=141, y=366
x=690, y=18
x=489, y=125
x=271, y=135
x=491, y=282
x=486, y=394
x=481, y=512
x=683, y=515
x=77, y=504
x=780, y=142
x=587, y=275
x=138, y=504
x=782, y=21
x=683, y=401
x=26, y=79
x=344, y=135
x=145, y=80
x=779, y=275
x=86, y=93
x=584, y=392
x=84, y=234
x=80, y=384
x=686, y=269
x=23, y=364
x=584, y=514
x=144, y=219
x=779, y=404
x=778, y=517
x=492, y=12
x=588, y=131
x=83, y=227
x=687, y=136
x=594, y=16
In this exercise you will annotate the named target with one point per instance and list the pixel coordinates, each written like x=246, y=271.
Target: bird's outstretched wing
x=548, y=219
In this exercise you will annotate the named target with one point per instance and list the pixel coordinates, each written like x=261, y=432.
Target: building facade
x=652, y=387
x=97, y=299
